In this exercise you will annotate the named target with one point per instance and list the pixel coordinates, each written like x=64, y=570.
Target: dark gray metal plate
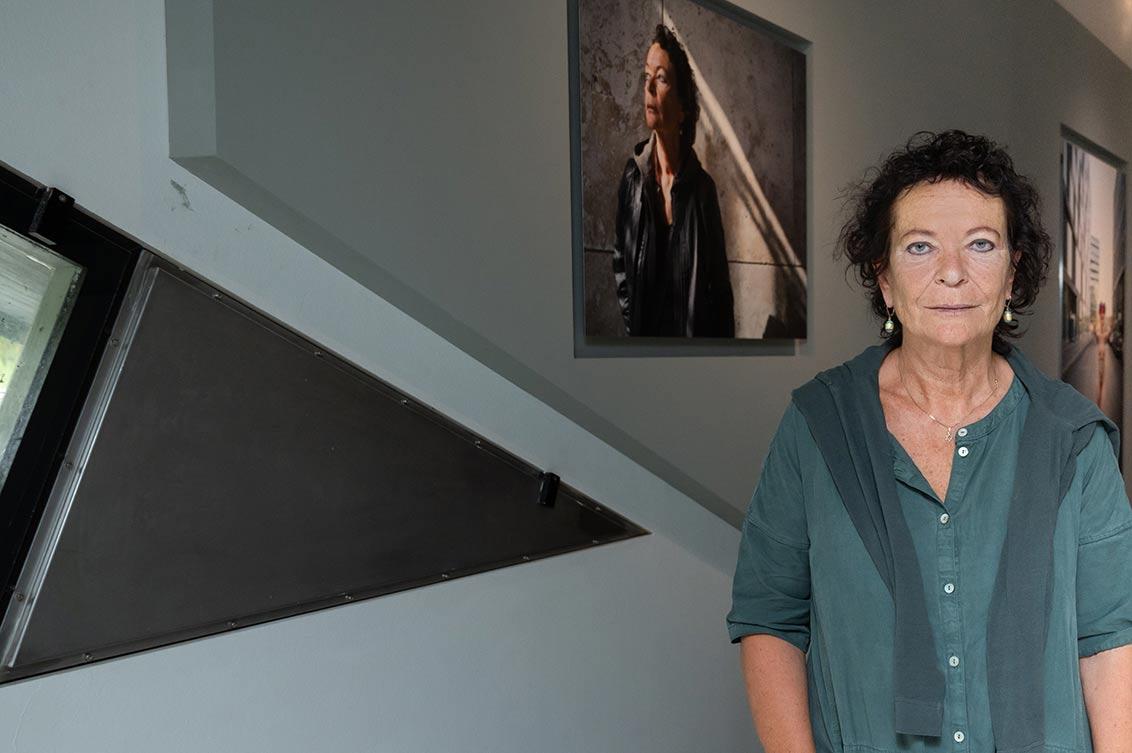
x=240, y=475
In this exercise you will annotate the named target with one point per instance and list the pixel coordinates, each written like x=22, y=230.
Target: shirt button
x=948, y=587
x=959, y=736
x=944, y=518
x=953, y=661
x=963, y=452
x=962, y=432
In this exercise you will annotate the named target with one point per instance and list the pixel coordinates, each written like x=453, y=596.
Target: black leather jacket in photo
x=671, y=281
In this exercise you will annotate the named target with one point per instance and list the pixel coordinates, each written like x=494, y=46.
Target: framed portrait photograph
x=689, y=176
x=1093, y=244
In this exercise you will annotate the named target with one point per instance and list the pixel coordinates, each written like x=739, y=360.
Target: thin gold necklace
x=950, y=428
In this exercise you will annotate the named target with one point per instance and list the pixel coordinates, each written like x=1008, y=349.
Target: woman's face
x=663, y=112
x=949, y=269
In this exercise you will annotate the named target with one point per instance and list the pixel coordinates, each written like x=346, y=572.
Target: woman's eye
x=982, y=245
x=919, y=248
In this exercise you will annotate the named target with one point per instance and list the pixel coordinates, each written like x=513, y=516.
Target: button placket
x=951, y=613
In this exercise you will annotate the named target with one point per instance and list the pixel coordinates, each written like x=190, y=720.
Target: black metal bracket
x=547, y=488
x=53, y=206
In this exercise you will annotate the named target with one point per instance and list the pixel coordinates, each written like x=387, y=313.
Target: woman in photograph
x=938, y=554
x=669, y=260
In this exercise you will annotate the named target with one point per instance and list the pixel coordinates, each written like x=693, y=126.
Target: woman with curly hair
x=938, y=555
x=669, y=261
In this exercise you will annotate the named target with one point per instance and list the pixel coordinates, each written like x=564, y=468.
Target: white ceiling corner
x=1110, y=21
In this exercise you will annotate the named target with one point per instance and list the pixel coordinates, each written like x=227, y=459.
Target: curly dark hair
x=932, y=157
x=686, y=88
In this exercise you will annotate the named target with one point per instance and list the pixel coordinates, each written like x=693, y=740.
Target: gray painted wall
x=620, y=647
x=423, y=149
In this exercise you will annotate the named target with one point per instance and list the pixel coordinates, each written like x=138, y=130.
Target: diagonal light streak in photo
x=765, y=218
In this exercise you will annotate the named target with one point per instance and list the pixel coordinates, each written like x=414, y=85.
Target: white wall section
x=616, y=648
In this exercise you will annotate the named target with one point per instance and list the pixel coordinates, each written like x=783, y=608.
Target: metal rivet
x=526, y=558
x=68, y=465
x=19, y=597
x=216, y=296
x=444, y=576
x=318, y=354
x=347, y=597
x=231, y=623
x=479, y=443
x=87, y=657
x=114, y=341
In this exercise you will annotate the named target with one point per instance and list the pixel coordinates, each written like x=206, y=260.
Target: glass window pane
x=37, y=291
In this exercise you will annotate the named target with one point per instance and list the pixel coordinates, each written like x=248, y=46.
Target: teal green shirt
x=805, y=576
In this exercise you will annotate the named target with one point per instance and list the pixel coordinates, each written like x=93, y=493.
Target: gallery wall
x=617, y=647
x=424, y=149
x=450, y=197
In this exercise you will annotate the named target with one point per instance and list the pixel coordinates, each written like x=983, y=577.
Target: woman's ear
x=883, y=284
x=1015, y=257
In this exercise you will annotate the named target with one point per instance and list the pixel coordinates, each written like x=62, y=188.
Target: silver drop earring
x=889, y=325
x=1008, y=315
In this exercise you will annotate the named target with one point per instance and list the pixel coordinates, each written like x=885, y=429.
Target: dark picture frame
x=722, y=268
x=1093, y=240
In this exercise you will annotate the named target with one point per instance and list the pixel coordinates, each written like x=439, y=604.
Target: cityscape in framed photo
x=689, y=173
x=1094, y=238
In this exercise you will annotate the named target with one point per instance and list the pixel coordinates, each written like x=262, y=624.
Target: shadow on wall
x=750, y=139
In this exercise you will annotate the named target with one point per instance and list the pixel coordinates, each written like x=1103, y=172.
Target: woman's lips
x=951, y=309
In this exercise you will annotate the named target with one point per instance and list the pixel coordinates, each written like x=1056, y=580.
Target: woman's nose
x=951, y=268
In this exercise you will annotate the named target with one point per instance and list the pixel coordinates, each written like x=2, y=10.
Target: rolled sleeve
x=1104, y=552
x=771, y=589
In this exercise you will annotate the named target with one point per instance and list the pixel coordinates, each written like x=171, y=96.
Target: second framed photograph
x=1093, y=252
x=689, y=174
